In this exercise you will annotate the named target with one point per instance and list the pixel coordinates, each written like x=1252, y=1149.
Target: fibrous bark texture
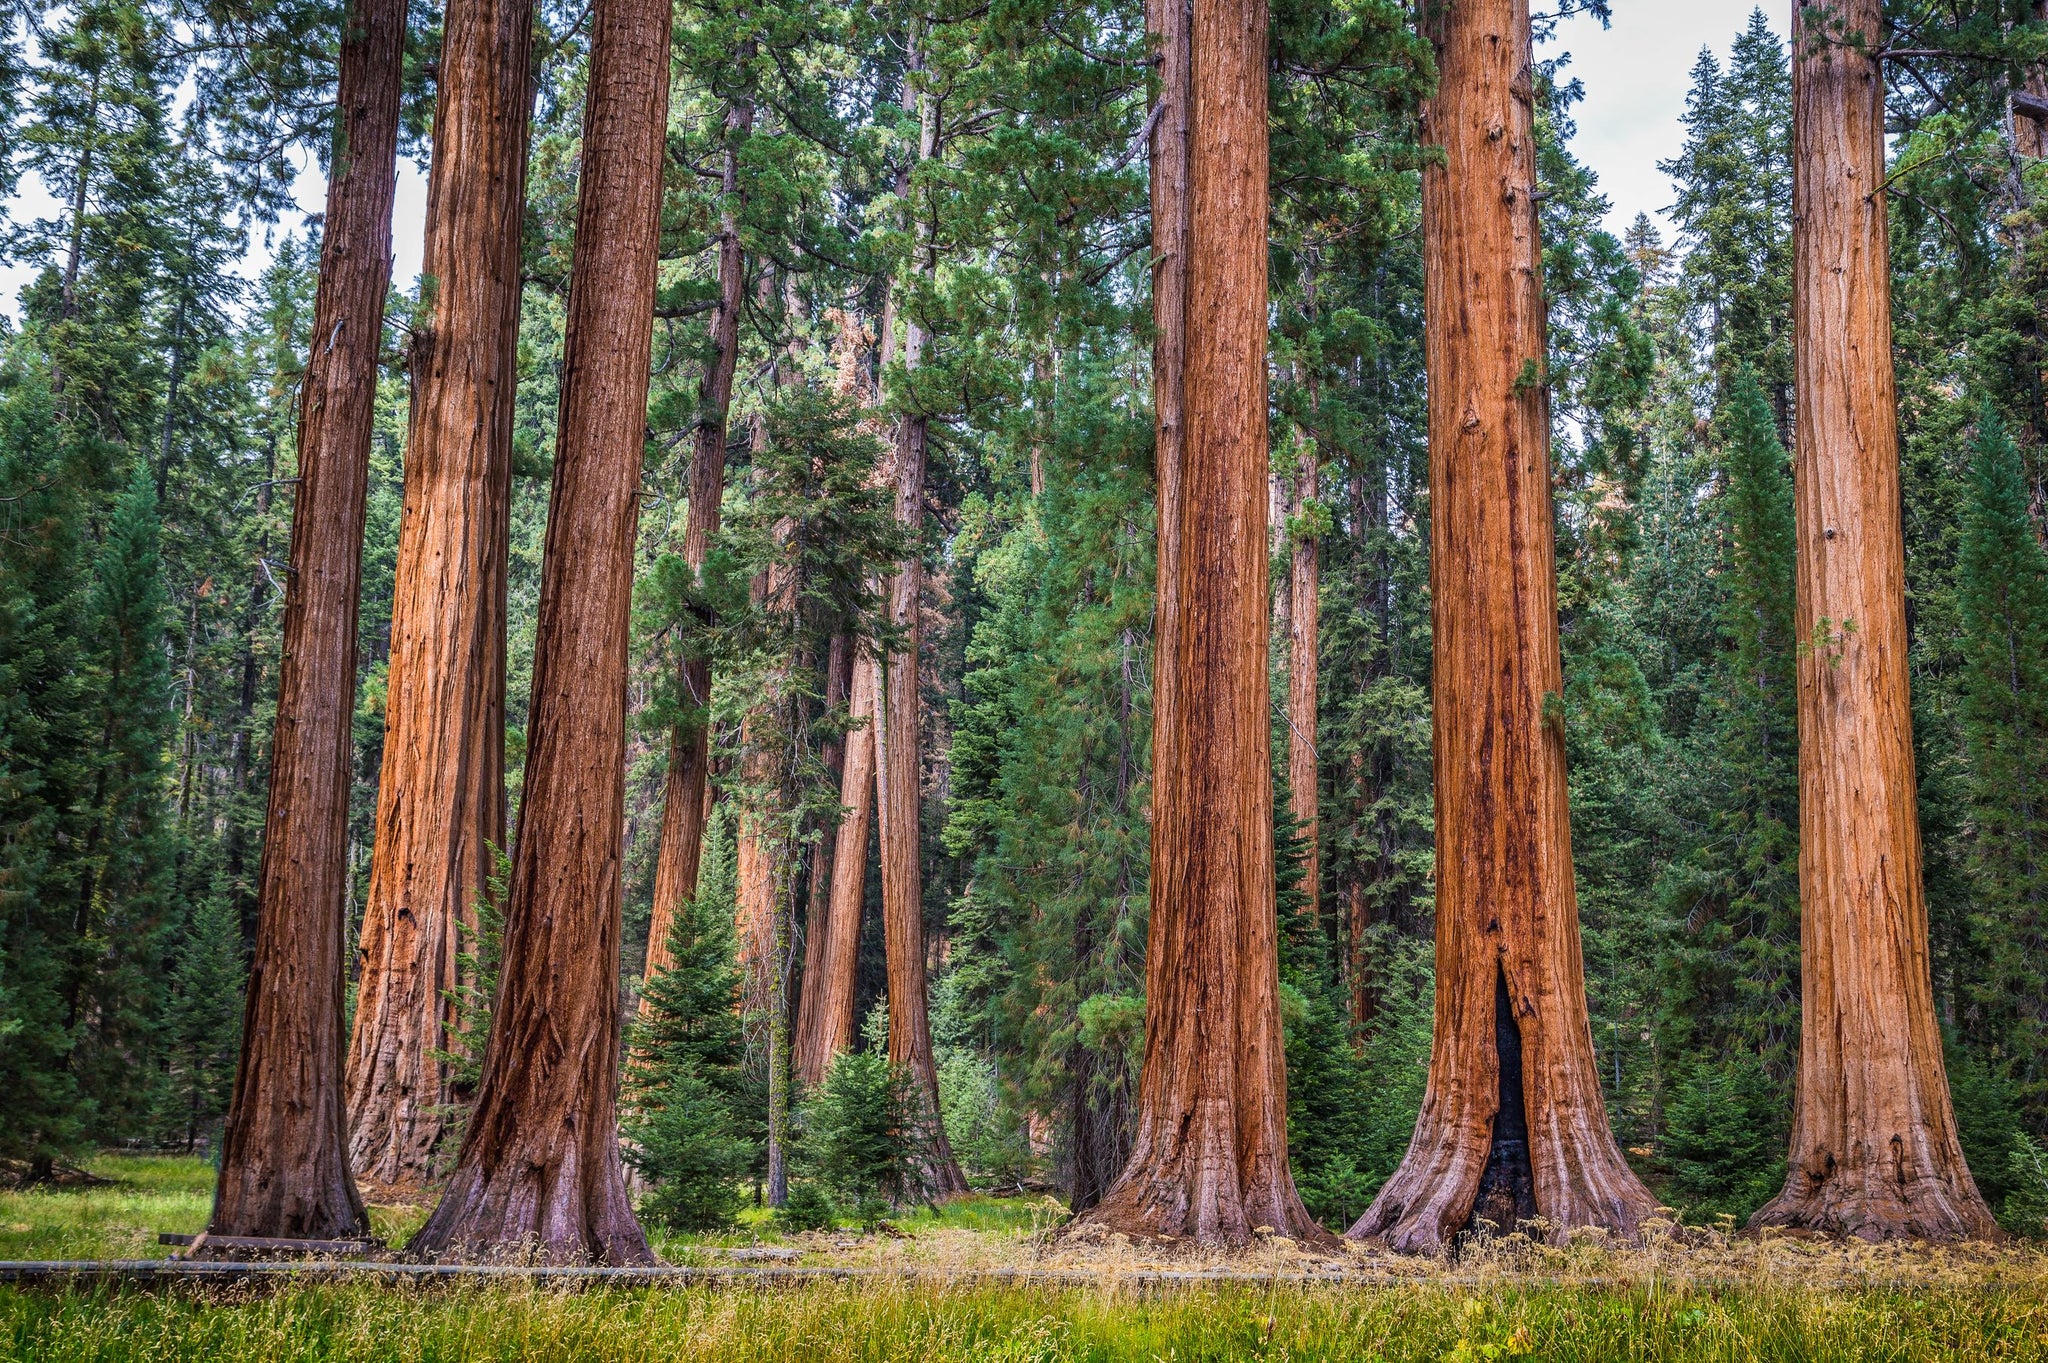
x=899, y=766
x=440, y=800
x=1304, y=623
x=1507, y=931
x=899, y=781
x=829, y=963
x=284, y=1157
x=828, y=1028
x=539, y=1172
x=1874, y=1147
x=684, y=807
x=1209, y=1160
x=2030, y=128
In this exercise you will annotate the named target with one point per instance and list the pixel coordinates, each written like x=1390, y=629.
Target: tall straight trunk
x=1510, y=975
x=440, y=803
x=818, y=908
x=1304, y=639
x=825, y=1027
x=899, y=767
x=2030, y=126
x=284, y=1159
x=1874, y=1148
x=1209, y=1160
x=540, y=1168
x=684, y=807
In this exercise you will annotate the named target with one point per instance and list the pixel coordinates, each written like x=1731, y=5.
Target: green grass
x=1950, y=1309
x=878, y=1321
x=149, y=1193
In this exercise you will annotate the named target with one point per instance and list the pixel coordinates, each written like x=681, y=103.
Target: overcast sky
x=1634, y=72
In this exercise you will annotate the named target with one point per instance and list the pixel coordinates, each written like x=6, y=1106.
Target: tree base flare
x=1847, y=1204
x=529, y=1215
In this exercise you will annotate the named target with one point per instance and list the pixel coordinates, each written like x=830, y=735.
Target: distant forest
x=891, y=676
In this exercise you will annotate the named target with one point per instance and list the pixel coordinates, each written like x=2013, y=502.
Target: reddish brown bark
x=284, y=1160
x=440, y=801
x=1304, y=639
x=1209, y=1160
x=899, y=768
x=2030, y=116
x=1510, y=975
x=684, y=806
x=899, y=773
x=809, y=1040
x=539, y=1171
x=1874, y=1148
x=826, y=1023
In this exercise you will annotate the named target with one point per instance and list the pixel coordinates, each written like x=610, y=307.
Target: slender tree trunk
x=899, y=769
x=826, y=1027
x=1209, y=1160
x=1510, y=975
x=1304, y=640
x=284, y=1161
x=540, y=1168
x=1874, y=1147
x=818, y=908
x=684, y=807
x=242, y=757
x=440, y=801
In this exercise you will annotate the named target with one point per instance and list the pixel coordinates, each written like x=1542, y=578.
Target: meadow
x=928, y=1298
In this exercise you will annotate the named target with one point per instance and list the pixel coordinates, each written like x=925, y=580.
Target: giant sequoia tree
x=1512, y=1124
x=284, y=1167
x=1874, y=1146
x=539, y=1167
x=687, y=789
x=1209, y=1160
x=441, y=800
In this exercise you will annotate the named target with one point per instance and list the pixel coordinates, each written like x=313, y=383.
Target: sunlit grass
x=148, y=1194
x=1723, y=1301
x=899, y=1320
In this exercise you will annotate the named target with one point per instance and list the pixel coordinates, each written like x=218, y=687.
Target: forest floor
x=925, y=1288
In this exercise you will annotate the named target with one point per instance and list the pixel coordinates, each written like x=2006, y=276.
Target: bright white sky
x=1635, y=75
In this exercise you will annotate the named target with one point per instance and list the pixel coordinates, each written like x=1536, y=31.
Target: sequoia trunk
x=1510, y=975
x=1304, y=638
x=540, y=1168
x=440, y=802
x=899, y=768
x=1874, y=1146
x=1209, y=1160
x=684, y=807
x=284, y=1157
x=818, y=911
x=826, y=1026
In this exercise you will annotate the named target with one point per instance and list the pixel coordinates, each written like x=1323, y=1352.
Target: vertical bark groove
x=440, y=803
x=284, y=1158
x=1209, y=1160
x=684, y=805
x=1507, y=908
x=827, y=1025
x=539, y=1173
x=1874, y=1147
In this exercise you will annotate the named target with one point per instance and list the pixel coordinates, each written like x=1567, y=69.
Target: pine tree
x=690, y=1118
x=202, y=1021
x=2002, y=589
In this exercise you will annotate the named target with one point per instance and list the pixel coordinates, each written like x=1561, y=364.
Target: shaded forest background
x=147, y=408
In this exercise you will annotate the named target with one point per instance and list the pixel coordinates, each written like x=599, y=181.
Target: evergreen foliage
x=690, y=1128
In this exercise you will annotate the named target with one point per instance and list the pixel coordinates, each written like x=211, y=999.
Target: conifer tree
x=1874, y=1150
x=2002, y=589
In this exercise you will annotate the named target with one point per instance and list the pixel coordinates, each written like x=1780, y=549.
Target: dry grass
x=929, y=1295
